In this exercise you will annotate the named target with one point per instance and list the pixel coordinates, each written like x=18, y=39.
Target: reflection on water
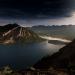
x=21, y=56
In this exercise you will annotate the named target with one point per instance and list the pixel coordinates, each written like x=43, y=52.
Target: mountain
x=7, y=27
x=13, y=33
x=64, y=58
x=57, y=31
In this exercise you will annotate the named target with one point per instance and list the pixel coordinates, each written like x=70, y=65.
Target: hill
x=64, y=58
x=13, y=33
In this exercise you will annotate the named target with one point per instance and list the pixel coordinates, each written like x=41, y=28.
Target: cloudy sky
x=34, y=12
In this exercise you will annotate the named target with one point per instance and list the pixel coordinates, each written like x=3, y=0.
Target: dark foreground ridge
x=65, y=56
x=13, y=33
x=64, y=59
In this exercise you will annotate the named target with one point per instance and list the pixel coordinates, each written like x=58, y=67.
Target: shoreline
x=53, y=38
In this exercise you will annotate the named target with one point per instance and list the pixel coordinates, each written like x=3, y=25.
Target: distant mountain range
x=62, y=31
x=52, y=26
x=64, y=58
x=13, y=33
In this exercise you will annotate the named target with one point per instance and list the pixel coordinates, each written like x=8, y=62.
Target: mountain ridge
x=12, y=33
x=64, y=58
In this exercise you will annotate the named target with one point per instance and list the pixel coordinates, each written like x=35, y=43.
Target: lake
x=21, y=56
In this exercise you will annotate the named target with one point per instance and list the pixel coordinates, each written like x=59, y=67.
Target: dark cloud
x=38, y=9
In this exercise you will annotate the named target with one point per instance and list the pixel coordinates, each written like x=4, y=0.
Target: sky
x=37, y=12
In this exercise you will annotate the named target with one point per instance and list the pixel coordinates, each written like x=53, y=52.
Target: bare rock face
x=15, y=33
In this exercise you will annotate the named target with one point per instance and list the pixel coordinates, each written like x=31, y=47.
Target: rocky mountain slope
x=12, y=33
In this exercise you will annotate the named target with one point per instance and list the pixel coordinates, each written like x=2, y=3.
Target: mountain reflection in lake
x=21, y=56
